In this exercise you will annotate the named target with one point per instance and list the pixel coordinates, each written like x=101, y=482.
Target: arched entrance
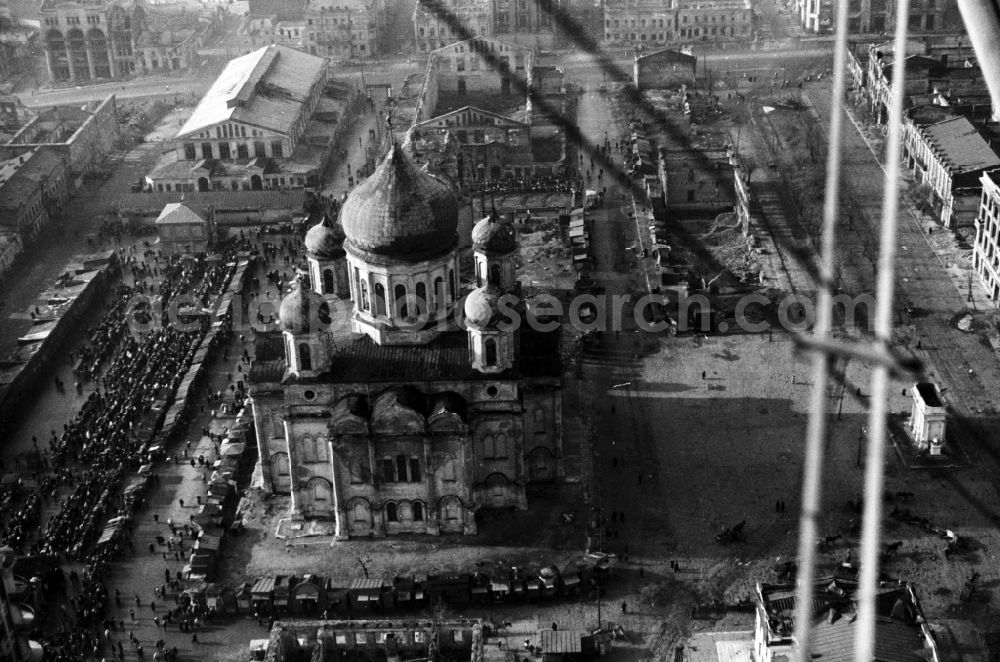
x=320, y=495
x=495, y=172
x=255, y=183
x=541, y=466
x=78, y=54
x=58, y=58
x=99, y=53
x=450, y=515
x=359, y=517
x=497, y=491
x=202, y=184
x=281, y=475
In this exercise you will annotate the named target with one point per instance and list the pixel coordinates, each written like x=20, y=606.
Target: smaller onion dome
x=325, y=239
x=493, y=235
x=303, y=311
x=481, y=306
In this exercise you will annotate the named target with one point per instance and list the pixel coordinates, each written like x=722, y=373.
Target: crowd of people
x=82, y=473
x=105, y=336
x=552, y=184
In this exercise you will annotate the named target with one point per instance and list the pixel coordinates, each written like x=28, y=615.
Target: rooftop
x=505, y=45
x=283, y=9
x=673, y=54
x=177, y=213
x=899, y=635
x=52, y=5
x=930, y=394
x=960, y=146
x=265, y=88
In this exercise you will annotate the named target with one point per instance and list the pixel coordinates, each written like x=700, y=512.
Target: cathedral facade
x=391, y=401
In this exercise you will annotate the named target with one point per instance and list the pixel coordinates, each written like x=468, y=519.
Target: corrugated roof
x=359, y=359
x=670, y=55
x=561, y=641
x=894, y=641
x=265, y=88
x=365, y=584
x=149, y=203
x=960, y=145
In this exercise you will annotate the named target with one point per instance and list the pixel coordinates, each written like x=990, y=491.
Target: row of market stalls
x=167, y=420
x=216, y=513
x=219, y=323
x=314, y=594
x=579, y=240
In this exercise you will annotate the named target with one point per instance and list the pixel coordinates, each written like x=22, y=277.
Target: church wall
x=271, y=445
x=485, y=459
x=306, y=445
x=542, y=421
x=498, y=476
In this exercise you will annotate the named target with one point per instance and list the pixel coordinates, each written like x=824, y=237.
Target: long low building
x=230, y=207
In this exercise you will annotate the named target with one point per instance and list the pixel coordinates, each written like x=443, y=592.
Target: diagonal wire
x=864, y=643
x=565, y=22
x=816, y=433
x=554, y=112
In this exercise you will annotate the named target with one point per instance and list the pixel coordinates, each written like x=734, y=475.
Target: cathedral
x=392, y=401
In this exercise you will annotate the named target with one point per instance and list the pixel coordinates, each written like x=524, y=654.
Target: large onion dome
x=401, y=211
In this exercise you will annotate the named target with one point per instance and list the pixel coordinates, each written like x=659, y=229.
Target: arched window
x=360, y=511
x=448, y=468
x=401, y=468
x=539, y=418
x=452, y=284
x=380, y=299
x=359, y=472
x=320, y=490
x=490, y=348
x=305, y=357
x=399, y=302
x=423, y=304
x=488, y=446
x=495, y=276
x=480, y=269
x=500, y=445
x=279, y=461
x=390, y=512
x=307, y=449
x=388, y=470
x=451, y=510
x=497, y=484
x=327, y=281
x=364, y=296
x=404, y=512
x=418, y=511
x=414, y=469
